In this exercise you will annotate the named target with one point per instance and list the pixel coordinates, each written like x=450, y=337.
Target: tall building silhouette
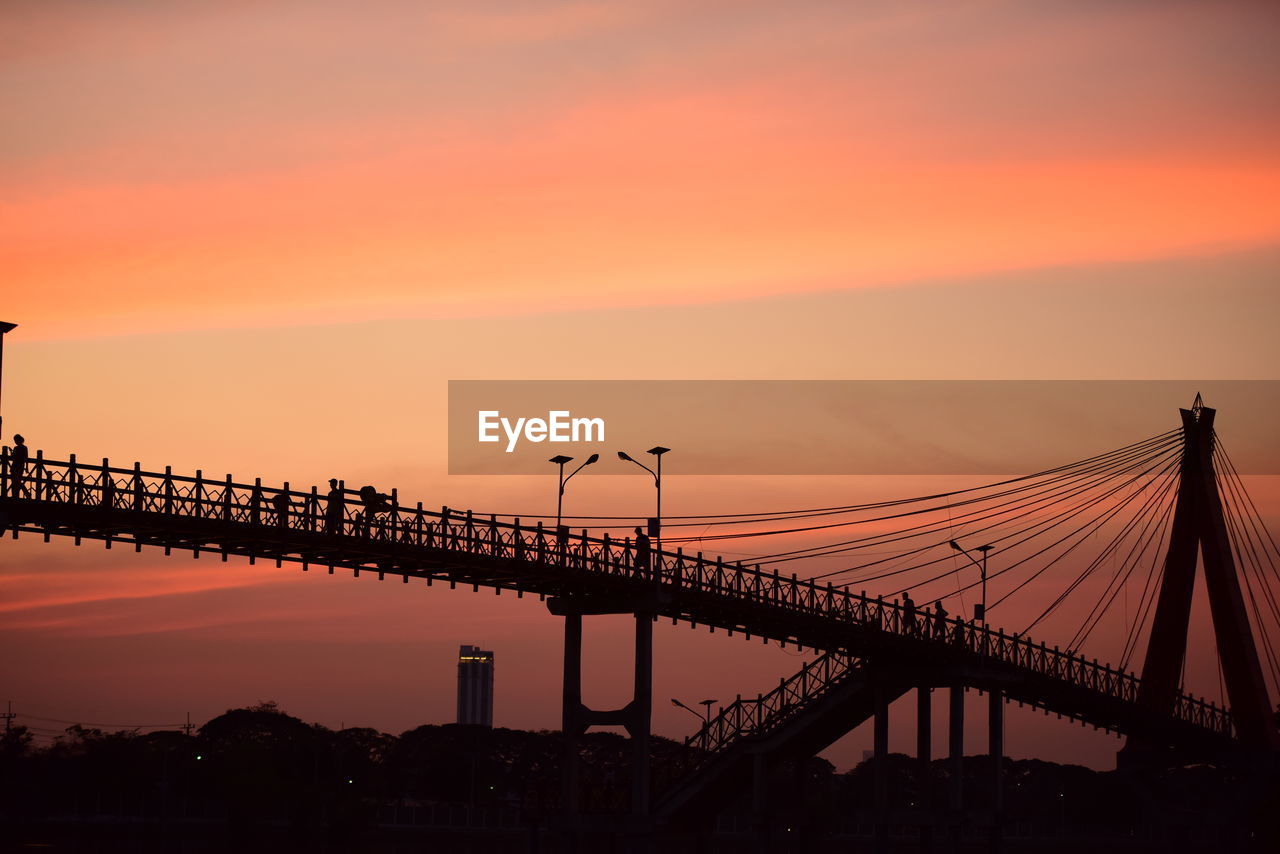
x=475, y=686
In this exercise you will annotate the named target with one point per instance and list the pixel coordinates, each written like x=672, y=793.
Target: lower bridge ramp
x=827, y=698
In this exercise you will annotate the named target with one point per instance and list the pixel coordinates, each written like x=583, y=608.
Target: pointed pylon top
x=1197, y=404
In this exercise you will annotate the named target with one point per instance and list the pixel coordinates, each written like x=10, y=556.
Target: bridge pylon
x=1200, y=531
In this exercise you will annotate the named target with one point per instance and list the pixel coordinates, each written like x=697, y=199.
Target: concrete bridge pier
x=639, y=716
x=761, y=817
x=880, y=769
x=577, y=718
x=571, y=706
x=995, y=746
x=955, y=765
x=924, y=759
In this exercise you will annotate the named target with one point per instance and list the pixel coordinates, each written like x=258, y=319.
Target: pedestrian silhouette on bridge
x=18, y=466
x=374, y=502
x=640, y=559
x=909, y=612
x=280, y=503
x=939, y=620
x=335, y=508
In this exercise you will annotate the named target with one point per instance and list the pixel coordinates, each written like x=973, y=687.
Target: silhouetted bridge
x=874, y=651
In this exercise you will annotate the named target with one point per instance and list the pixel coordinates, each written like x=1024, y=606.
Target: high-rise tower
x=475, y=686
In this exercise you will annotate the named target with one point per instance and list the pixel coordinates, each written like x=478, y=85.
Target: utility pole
x=8, y=717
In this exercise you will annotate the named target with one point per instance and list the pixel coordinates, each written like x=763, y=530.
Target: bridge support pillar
x=995, y=742
x=571, y=714
x=955, y=767
x=636, y=716
x=924, y=757
x=880, y=767
x=640, y=714
x=761, y=818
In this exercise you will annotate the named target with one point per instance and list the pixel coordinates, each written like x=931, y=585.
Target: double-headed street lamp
x=705, y=718
x=979, y=611
x=560, y=460
x=657, y=451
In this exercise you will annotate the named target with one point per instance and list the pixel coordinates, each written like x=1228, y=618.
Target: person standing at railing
x=18, y=456
x=335, y=508
x=908, y=613
x=642, y=554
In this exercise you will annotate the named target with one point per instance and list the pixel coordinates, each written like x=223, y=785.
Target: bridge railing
x=747, y=716
x=262, y=513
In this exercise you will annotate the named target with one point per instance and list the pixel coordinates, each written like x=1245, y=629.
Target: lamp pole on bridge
x=705, y=718
x=560, y=460
x=5, y=328
x=980, y=611
x=656, y=527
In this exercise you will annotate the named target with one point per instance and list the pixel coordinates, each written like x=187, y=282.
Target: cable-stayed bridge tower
x=1200, y=530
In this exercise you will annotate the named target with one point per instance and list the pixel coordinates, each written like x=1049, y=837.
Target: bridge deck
x=70, y=498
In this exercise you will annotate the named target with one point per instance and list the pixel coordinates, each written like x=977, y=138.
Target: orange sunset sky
x=260, y=237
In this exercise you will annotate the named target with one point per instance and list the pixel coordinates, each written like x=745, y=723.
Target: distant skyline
x=260, y=238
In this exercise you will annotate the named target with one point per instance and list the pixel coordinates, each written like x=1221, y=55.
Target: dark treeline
x=258, y=768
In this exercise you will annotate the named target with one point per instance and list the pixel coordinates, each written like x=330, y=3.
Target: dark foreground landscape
x=258, y=779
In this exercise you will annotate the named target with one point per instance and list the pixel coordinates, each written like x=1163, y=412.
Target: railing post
x=168, y=489
x=107, y=485
x=139, y=491
x=255, y=502
x=41, y=478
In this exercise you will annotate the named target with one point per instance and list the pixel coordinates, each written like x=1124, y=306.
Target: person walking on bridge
x=939, y=620
x=908, y=613
x=280, y=503
x=18, y=457
x=374, y=502
x=641, y=556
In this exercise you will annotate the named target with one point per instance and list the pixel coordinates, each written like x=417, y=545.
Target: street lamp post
x=560, y=460
x=5, y=328
x=980, y=611
x=657, y=451
x=705, y=718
